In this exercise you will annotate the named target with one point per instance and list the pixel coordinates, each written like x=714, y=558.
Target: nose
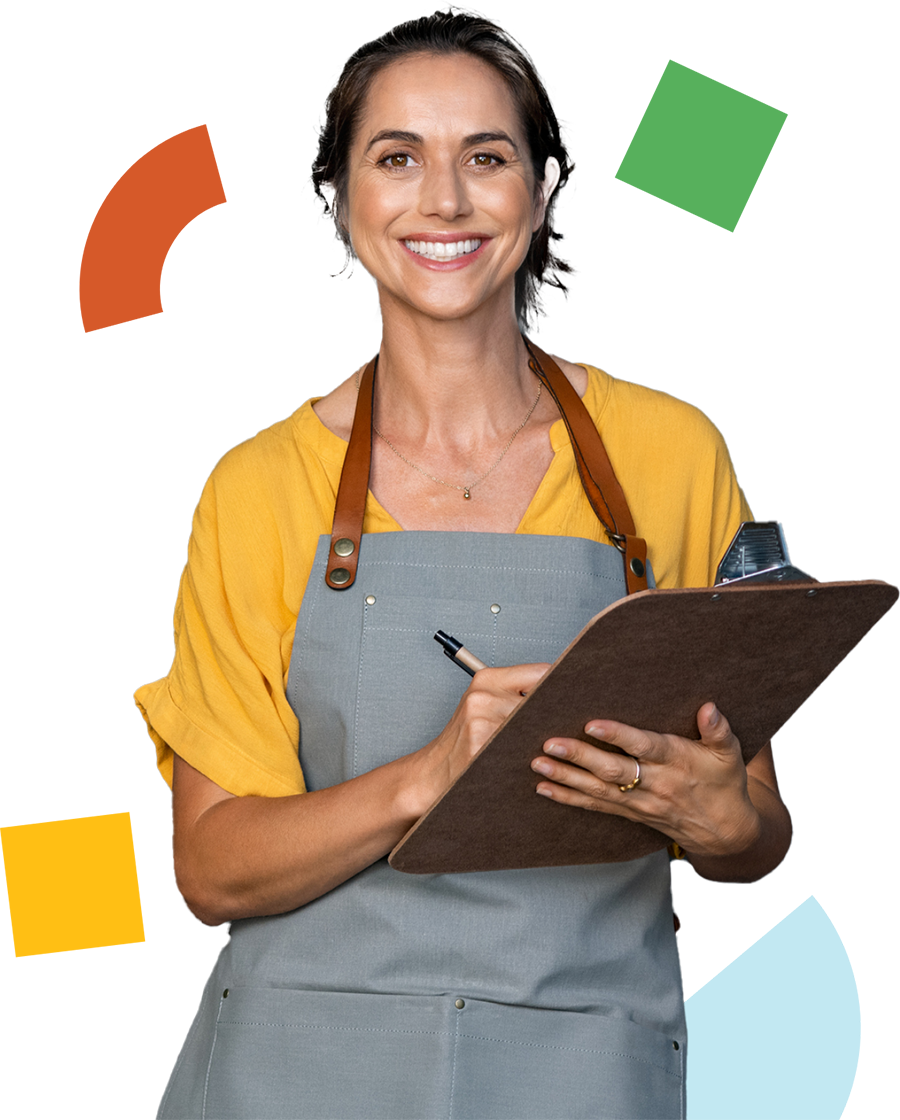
x=443, y=192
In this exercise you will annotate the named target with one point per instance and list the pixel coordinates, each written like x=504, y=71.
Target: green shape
x=69, y=130
x=774, y=146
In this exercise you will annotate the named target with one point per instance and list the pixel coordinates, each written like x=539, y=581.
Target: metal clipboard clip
x=758, y=554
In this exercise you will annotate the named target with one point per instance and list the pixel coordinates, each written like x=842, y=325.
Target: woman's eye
x=398, y=159
x=485, y=159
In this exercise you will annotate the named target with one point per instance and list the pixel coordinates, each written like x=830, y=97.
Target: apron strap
x=601, y=487
x=600, y=484
x=350, y=505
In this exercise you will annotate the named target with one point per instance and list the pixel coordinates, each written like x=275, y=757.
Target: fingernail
x=596, y=732
x=544, y=792
x=714, y=717
x=542, y=766
x=556, y=749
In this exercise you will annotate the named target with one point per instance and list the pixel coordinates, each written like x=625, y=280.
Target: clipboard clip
x=758, y=554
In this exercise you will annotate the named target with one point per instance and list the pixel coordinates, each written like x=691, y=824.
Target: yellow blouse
x=223, y=706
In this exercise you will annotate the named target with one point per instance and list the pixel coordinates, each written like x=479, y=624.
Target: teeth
x=442, y=251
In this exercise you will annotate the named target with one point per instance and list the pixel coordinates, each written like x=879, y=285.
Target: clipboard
x=650, y=660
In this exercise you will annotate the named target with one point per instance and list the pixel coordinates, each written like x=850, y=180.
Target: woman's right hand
x=242, y=857
x=483, y=707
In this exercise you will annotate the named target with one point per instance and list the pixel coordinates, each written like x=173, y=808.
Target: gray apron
x=545, y=994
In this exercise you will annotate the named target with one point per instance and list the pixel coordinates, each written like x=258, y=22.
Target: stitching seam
x=212, y=1051
x=453, y=1067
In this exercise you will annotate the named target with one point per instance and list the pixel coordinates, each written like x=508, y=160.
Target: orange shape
x=72, y=884
x=208, y=233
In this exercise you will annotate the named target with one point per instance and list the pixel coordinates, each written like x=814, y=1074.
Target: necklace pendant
x=466, y=493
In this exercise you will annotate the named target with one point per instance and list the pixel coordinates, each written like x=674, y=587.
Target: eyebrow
x=415, y=138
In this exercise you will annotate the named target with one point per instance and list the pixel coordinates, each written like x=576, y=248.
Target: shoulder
x=296, y=447
x=275, y=488
x=577, y=374
x=622, y=408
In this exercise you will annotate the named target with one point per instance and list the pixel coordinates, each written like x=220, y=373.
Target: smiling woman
x=307, y=722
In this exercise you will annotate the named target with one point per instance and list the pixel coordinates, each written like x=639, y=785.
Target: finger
x=609, y=767
x=520, y=679
x=572, y=786
x=648, y=746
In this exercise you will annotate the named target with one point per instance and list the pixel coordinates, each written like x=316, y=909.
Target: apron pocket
x=282, y=1054
x=519, y=1063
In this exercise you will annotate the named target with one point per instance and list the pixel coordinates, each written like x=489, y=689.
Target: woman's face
x=441, y=194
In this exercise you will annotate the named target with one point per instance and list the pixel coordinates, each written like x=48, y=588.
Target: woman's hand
x=728, y=817
x=484, y=705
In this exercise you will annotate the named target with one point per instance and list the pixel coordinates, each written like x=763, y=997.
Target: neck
x=468, y=377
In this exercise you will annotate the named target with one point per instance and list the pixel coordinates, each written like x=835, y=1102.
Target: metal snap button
x=675, y=1046
x=637, y=567
x=340, y=576
x=370, y=600
x=344, y=547
x=225, y=994
x=460, y=1004
x=495, y=608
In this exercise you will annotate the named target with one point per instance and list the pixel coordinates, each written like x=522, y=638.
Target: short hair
x=451, y=33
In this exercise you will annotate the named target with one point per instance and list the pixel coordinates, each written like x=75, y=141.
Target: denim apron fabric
x=544, y=994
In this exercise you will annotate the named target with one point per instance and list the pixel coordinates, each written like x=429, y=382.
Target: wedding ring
x=631, y=785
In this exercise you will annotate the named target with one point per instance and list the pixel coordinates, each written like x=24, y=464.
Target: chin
x=446, y=309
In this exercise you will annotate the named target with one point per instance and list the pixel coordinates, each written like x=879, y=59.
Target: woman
x=349, y=989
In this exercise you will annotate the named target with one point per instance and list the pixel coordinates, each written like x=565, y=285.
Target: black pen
x=458, y=654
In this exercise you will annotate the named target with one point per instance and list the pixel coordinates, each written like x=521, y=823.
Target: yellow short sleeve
x=223, y=706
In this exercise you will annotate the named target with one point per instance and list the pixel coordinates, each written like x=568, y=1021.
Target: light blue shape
x=775, y=1036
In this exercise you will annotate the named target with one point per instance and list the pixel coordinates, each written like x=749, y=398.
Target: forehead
x=428, y=93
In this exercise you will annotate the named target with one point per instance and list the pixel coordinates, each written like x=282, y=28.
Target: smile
x=442, y=251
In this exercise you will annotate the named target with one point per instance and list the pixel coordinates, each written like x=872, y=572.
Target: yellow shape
x=72, y=884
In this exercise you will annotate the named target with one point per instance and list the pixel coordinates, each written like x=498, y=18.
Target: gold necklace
x=466, y=490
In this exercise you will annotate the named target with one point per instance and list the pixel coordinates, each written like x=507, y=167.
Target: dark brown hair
x=451, y=33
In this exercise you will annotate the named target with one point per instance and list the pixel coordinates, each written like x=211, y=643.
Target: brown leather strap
x=597, y=476
x=350, y=504
x=600, y=484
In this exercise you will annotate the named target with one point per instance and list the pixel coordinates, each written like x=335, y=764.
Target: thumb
x=715, y=731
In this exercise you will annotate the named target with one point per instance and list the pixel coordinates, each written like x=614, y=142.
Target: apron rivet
x=637, y=567
x=225, y=994
x=495, y=608
x=460, y=1004
x=340, y=576
x=344, y=547
x=370, y=600
x=675, y=1046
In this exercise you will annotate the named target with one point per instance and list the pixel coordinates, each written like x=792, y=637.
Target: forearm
x=252, y=856
x=763, y=847
x=242, y=857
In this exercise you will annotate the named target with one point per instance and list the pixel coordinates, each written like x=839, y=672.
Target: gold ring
x=637, y=778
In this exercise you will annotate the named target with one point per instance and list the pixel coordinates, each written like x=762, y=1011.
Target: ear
x=546, y=187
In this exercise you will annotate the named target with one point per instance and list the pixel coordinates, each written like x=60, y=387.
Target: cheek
x=370, y=211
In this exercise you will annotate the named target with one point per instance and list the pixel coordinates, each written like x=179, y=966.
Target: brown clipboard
x=650, y=660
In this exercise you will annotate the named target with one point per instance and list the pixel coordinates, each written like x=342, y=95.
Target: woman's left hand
x=698, y=793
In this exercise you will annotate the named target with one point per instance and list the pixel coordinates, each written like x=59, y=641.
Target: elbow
x=202, y=899
x=205, y=913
